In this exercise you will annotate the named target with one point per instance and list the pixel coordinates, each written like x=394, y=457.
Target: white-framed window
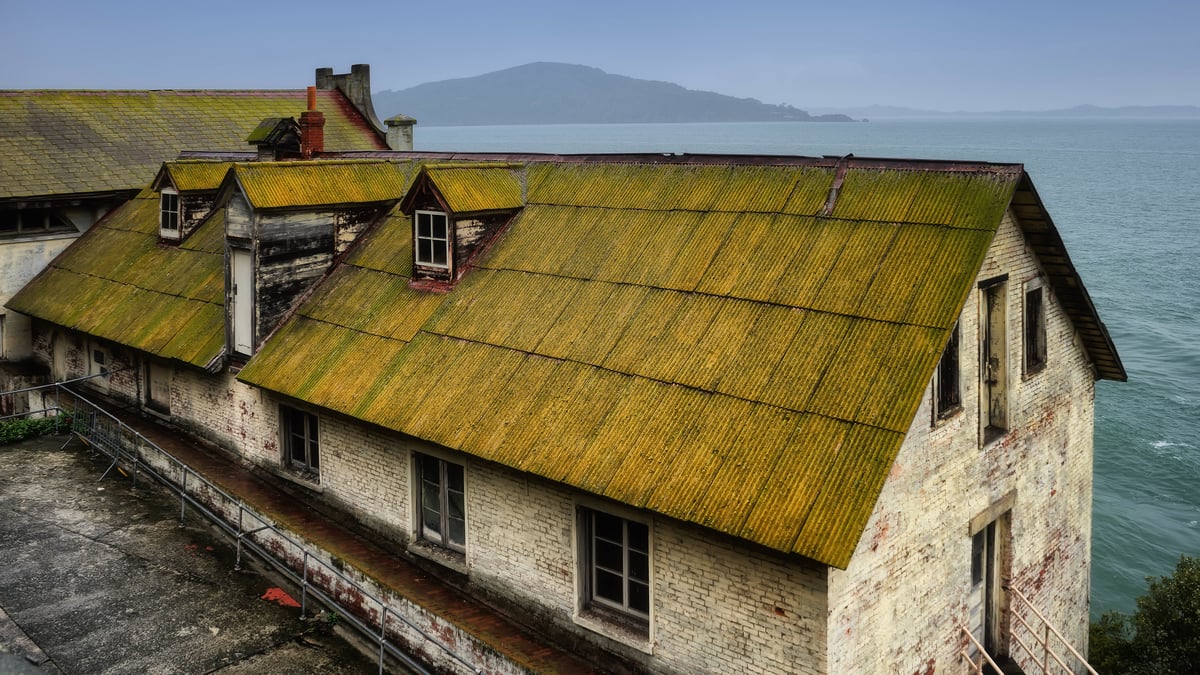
x=1035, y=329
x=615, y=555
x=168, y=226
x=947, y=391
x=441, y=509
x=431, y=240
x=301, y=441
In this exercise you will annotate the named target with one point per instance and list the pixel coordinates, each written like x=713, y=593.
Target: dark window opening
x=442, y=502
x=1035, y=331
x=947, y=394
x=301, y=439
x=32, y=222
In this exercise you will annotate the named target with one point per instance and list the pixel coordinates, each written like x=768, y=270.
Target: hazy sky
x=960, y=55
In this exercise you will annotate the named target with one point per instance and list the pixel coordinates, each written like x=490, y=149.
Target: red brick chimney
x=312, y=128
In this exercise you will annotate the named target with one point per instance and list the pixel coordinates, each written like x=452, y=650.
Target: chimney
x=400, y=132
x=355, y=86
x=312, y=128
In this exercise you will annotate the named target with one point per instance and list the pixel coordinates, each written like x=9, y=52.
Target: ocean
x=1125, y=195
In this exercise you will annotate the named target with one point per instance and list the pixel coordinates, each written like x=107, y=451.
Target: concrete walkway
x=96, y=577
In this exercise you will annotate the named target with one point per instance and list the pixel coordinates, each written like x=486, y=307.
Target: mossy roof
x=691, y=340
x=58, y=142
x=117, y=282
x=278, y=185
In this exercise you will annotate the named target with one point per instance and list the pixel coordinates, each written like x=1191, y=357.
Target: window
x=994, y=350
x=1035, y=331
x=33, y=222
x=947, y=397
x=617, y=564
x=169, y=224
x=442, y=503
x=432, y=239
x=301, y=440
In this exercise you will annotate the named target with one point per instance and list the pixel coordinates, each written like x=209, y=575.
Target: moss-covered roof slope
x=689, y=339
x=57, y=142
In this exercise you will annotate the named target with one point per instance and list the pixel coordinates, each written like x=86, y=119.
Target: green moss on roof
x=117, y=283
x=638, y=318
x=64, y=142
x=196, y=175
x=272, y=185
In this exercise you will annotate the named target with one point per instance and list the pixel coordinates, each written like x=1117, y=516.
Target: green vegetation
x=15, y=430
x=1162, y=636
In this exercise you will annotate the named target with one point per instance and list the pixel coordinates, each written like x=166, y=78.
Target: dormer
x=187, y=190
x=456, y=211
x=286, y=223
x=276, y=138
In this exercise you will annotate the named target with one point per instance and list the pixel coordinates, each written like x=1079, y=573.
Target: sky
x=951, y=56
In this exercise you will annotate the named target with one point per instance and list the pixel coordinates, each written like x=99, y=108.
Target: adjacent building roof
x=57, y=142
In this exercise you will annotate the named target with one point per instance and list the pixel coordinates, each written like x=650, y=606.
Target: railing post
x=304, y=587
x=183, y=494
x=1046, y=649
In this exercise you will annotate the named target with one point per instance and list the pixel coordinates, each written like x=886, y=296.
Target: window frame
x=1034, y=329
x=629, y=611
x=310, y=435
x=948, y=402
x=169, y=195
x=443, y=536
x=444, y=242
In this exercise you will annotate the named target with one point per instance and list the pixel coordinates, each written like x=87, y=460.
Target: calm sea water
x=1125, y=194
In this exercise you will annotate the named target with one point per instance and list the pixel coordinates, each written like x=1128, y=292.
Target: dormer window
x=169, y=222
x=432, y=239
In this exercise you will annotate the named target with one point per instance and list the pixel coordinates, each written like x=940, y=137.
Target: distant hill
x=883, y=111
x=559, y=93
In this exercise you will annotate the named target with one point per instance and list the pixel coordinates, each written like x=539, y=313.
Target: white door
x=242, y=298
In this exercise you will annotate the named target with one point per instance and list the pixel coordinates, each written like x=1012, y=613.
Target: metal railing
x=371, y=615
x=975, y=663
x=1038, y=643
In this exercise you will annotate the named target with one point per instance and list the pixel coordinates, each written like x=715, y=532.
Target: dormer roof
x=469, y=187
x=318, y=183
x=191, y=175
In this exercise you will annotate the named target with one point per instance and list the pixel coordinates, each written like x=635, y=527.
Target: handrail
x=964, y=655
x=117, y=449
x=1044, y=640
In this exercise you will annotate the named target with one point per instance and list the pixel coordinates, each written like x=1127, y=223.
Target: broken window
x=432, y=240
x=301, y=441
x=947, y=396
x=169, y=223
x=1035, y=331
x=443, y=519
x=616, y=552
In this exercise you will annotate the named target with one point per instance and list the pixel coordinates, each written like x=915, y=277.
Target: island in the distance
x=559, y=93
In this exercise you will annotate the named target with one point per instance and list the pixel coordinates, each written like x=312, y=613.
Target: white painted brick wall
x=897, y=607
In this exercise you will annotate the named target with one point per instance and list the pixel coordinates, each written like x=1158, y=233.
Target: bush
x=1162, y=636
x=15, y=430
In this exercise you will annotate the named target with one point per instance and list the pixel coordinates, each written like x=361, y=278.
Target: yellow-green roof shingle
x=694, y=340
x=83, y=141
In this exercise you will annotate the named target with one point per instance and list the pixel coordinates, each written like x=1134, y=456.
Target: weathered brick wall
x=719, y=605
x=224, y=411
x=898, y=606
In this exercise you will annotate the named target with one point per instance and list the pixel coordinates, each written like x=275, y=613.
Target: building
x=682, y=413
x=69, y=157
